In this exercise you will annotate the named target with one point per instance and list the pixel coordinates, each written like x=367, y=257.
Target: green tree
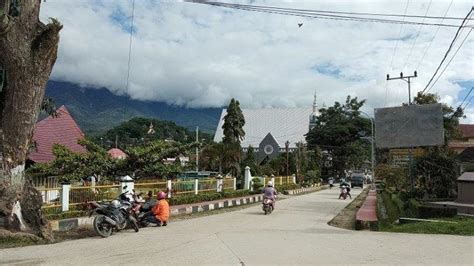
x=148, y=161
x=437, y=169
x=250, y=161
x=436, y=172
x=234, y=122
x=338, y=131
x=212, y=156
x=73, y=166
x=451, y=115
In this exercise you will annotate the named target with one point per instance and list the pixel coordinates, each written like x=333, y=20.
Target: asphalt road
x=296, y=233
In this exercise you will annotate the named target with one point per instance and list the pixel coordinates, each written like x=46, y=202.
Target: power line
x=434, y=36
x=313, y=11
x=467, y=95
x=130, y=45
x=314, y=15
x=468, y=103
x=336, y=17
x=449, y=49
x=416, y=38
x=449, y=62
x=395, y=51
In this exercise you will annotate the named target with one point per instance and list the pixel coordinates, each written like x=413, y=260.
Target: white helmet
x=270, y=184
x=115, y=203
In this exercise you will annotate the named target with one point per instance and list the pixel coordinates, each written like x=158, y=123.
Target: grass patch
x=463, y=226
x=347, y=217
x=392, y=210
x=10, y=240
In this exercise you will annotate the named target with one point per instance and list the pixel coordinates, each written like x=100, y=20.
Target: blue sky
x=201, y=56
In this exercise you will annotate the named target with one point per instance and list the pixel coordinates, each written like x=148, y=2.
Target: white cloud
x=201, y=56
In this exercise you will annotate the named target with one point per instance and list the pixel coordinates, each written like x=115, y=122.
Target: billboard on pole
x=409, y=126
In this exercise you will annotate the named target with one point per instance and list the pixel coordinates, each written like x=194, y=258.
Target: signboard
x=409, y=126
x=401, y=156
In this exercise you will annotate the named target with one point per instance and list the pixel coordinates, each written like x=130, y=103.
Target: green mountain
x=98, y=110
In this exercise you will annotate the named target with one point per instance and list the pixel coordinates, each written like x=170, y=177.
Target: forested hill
x=98, y=110
x=137, y=132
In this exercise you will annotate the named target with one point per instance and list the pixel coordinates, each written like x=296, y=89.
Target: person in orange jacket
x=161, y=211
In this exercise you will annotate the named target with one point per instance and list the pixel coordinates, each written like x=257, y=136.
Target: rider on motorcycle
x=269, y=192
x=345, y=185
x=161, y=211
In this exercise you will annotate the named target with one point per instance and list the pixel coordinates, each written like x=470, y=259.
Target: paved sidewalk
x=296, y=233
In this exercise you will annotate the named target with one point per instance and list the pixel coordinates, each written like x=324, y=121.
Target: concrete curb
x=214, y=205
x=72, y=223
x=303, y=190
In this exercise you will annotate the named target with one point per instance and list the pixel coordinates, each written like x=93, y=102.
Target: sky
x=202, y=56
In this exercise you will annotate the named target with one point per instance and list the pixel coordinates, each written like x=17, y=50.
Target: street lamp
x=287, y=146
x=373, y=144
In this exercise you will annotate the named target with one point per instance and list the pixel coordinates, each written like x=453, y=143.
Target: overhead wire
x=434, y=36
x=449, y=62
x=130, y=45
x=313, y=11
x=395, y=51
x=449, y=50
x=417, y=35
x=312, y=14
x=467, y=95
x=468, y=103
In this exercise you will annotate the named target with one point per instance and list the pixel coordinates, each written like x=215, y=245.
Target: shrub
x=412, y=208
x=189, y=199
x=257, y=184
x=391, y=208
x=426, y=212
x=285, y=187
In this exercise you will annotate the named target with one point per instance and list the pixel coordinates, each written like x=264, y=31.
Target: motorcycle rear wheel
x=101, y=227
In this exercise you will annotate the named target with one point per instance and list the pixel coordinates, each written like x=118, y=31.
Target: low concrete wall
x=214, y=205
x=72, y=223
x=304, y=190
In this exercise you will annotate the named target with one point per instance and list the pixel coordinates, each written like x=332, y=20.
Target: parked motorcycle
x=115, y=216
x=267, y=205
x=141, y=208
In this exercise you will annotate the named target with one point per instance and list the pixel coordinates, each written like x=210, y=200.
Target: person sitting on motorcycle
x=269, y=192
x=161, y=211
x=348, y=189
x=150, y=202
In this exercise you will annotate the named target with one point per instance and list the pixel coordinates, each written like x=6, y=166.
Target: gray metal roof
x=467, y=176
x=285, y=124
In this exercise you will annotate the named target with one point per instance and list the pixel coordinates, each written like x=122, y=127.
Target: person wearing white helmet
x=269, y=192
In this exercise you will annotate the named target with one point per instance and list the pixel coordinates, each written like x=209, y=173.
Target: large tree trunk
x=28, y=51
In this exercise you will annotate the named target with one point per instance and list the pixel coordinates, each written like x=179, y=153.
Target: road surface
x=296, y=233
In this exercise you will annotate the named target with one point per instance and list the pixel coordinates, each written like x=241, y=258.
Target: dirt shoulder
x=347, y=217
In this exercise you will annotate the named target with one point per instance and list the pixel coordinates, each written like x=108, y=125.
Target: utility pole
x=197, y=150
x=406, y=79
x=410, y=156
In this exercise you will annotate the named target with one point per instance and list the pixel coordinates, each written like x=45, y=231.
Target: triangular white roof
x=285, y=124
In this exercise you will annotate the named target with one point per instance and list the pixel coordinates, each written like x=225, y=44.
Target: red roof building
x=55, y=130
x=117, y=153
x=465, y=141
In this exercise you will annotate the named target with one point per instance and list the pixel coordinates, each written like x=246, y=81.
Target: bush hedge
x=189, y=199
x=281, y=188
x=426, y=212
